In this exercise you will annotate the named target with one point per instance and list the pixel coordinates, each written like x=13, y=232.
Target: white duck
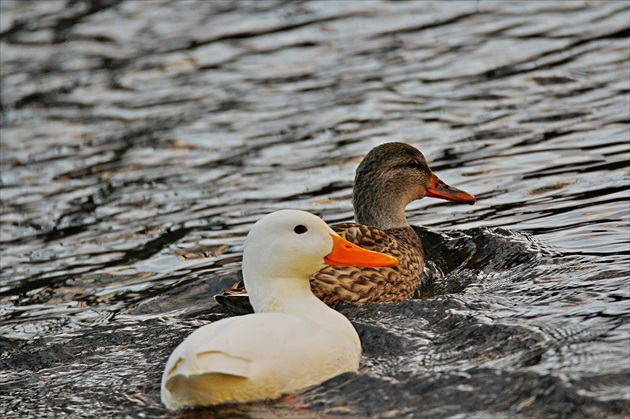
x=292, y=341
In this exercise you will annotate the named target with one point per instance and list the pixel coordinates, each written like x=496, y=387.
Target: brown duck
x=390, y=177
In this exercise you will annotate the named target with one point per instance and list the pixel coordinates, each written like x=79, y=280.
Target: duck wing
x=256, y=357
x=235, y=300
x=360, y=285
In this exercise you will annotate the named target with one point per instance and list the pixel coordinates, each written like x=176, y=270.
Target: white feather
x=293, y=341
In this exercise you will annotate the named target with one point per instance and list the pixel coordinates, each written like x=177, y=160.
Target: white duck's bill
x=345, y=253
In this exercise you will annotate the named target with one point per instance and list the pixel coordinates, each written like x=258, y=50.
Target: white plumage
x=293, y=341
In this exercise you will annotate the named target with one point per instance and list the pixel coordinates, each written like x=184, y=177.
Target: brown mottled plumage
x=390, y=177
x=357, y=285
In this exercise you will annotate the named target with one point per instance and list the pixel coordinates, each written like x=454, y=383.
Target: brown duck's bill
x=439, y=189
x=345, y=253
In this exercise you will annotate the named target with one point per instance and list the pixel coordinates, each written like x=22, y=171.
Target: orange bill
x=345, y=253
x=439, y=189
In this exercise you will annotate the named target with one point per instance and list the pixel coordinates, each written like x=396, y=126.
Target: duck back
x=361, y=285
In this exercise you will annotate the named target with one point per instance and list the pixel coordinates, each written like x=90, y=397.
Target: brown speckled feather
x=359, y=285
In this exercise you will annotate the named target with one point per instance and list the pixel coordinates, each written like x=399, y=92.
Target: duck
x=292, y=341
x=389, y=178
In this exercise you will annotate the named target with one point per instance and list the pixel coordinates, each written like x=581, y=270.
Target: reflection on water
x=139, y=145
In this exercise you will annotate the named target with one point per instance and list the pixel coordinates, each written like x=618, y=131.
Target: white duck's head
x=285, y=248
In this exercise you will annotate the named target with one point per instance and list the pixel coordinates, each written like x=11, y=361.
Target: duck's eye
x=412, y=164
x=300, y=229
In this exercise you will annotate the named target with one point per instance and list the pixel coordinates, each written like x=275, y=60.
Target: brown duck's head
x=389, y=178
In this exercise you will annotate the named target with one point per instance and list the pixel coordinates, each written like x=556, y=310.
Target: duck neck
x=282, y=295
x=380, y=205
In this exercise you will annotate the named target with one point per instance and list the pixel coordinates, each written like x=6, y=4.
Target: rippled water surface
x=141, y=140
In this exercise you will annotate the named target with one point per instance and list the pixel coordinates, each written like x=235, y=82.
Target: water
x=140, y=143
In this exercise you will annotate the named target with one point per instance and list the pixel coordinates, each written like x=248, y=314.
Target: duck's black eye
x=412, y=164
x=300, y=229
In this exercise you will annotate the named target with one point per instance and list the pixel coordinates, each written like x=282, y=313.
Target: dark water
x=139, y=137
